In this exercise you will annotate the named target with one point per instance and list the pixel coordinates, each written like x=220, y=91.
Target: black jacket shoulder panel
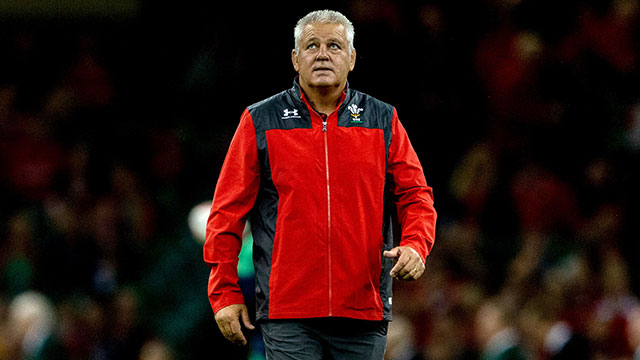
x=280, y=111
x=363, y=110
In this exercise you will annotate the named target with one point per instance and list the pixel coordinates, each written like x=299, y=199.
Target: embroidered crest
x=355, y=113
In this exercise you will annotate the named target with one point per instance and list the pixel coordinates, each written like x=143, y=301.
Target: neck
x=323, y=99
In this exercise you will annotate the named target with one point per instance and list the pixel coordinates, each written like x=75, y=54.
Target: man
x=633, y=331
x=548, y=333
x=495, y=333
x=33, y=323
x=317, y=168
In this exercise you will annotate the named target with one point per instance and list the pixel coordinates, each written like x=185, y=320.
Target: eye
x=334, y=46
x=311, y=46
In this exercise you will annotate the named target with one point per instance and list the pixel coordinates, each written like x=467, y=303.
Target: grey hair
x=323, y=17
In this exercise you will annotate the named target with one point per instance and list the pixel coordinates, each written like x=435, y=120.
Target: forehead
x=324, y=31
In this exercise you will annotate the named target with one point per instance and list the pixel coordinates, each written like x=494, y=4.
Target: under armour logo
x=290, y=114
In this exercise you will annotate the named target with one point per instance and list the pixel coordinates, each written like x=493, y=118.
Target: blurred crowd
x=524, y=113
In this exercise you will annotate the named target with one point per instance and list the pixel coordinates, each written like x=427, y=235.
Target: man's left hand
x=409, y=265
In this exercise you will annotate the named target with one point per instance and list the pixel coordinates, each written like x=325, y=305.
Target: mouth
x=322, y=69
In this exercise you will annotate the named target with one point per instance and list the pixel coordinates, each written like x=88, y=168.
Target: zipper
x=326, y=164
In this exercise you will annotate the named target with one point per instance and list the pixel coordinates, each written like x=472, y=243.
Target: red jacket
x=319, y=193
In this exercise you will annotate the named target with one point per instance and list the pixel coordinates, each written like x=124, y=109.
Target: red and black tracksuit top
x=319, y=191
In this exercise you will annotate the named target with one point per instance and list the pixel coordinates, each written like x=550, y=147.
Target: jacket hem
x=360, y=315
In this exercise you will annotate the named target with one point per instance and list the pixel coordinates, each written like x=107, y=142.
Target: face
x=323, y=59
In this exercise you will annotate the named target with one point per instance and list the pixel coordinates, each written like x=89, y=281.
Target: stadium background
x=115, y=118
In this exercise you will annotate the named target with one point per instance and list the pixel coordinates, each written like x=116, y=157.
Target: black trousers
x=324, y=339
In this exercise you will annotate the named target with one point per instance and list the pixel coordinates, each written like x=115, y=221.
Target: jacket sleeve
x=234, y=198
x=412, y=196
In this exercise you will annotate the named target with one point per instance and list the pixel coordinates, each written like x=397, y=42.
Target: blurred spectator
x=544, y=202
x=31, y=156
x=608, y=323
x=496, y=334
x=633, y=331
x=400, y=340
x=82, y=323
x=18, y=255
x=155, y=350
x=474, y=178
x=6, y=333
x=32, y=318
x=632, y=128
x=447, y=338
x=7, y=101
x=608, y=30
x=508, y=60
x=124, y=335
x=88, y=77
x=551, y=337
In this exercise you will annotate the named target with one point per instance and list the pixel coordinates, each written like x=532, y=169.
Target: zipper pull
x=324, y=122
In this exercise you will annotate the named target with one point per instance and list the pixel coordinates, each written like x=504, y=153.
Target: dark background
x=114, y=123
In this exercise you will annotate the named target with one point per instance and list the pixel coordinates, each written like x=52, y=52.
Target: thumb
x=245, y=319
x=393, y=253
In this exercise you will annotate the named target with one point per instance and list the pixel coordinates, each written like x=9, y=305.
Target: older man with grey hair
x=318, y=169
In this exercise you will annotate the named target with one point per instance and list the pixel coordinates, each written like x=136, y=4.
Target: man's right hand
x=229, y=323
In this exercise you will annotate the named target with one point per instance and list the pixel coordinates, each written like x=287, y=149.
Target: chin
x=324, y=83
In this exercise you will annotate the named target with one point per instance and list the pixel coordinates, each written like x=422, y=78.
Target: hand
x=409, y=265
x=229, y=324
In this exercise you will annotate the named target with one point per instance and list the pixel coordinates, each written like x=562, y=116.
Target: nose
x=323, y=53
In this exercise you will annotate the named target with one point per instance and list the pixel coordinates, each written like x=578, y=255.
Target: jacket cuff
x=223, y=286
x=225, y=300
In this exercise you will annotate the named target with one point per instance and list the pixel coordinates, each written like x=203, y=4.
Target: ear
x=294, y=59
x=352, y=61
